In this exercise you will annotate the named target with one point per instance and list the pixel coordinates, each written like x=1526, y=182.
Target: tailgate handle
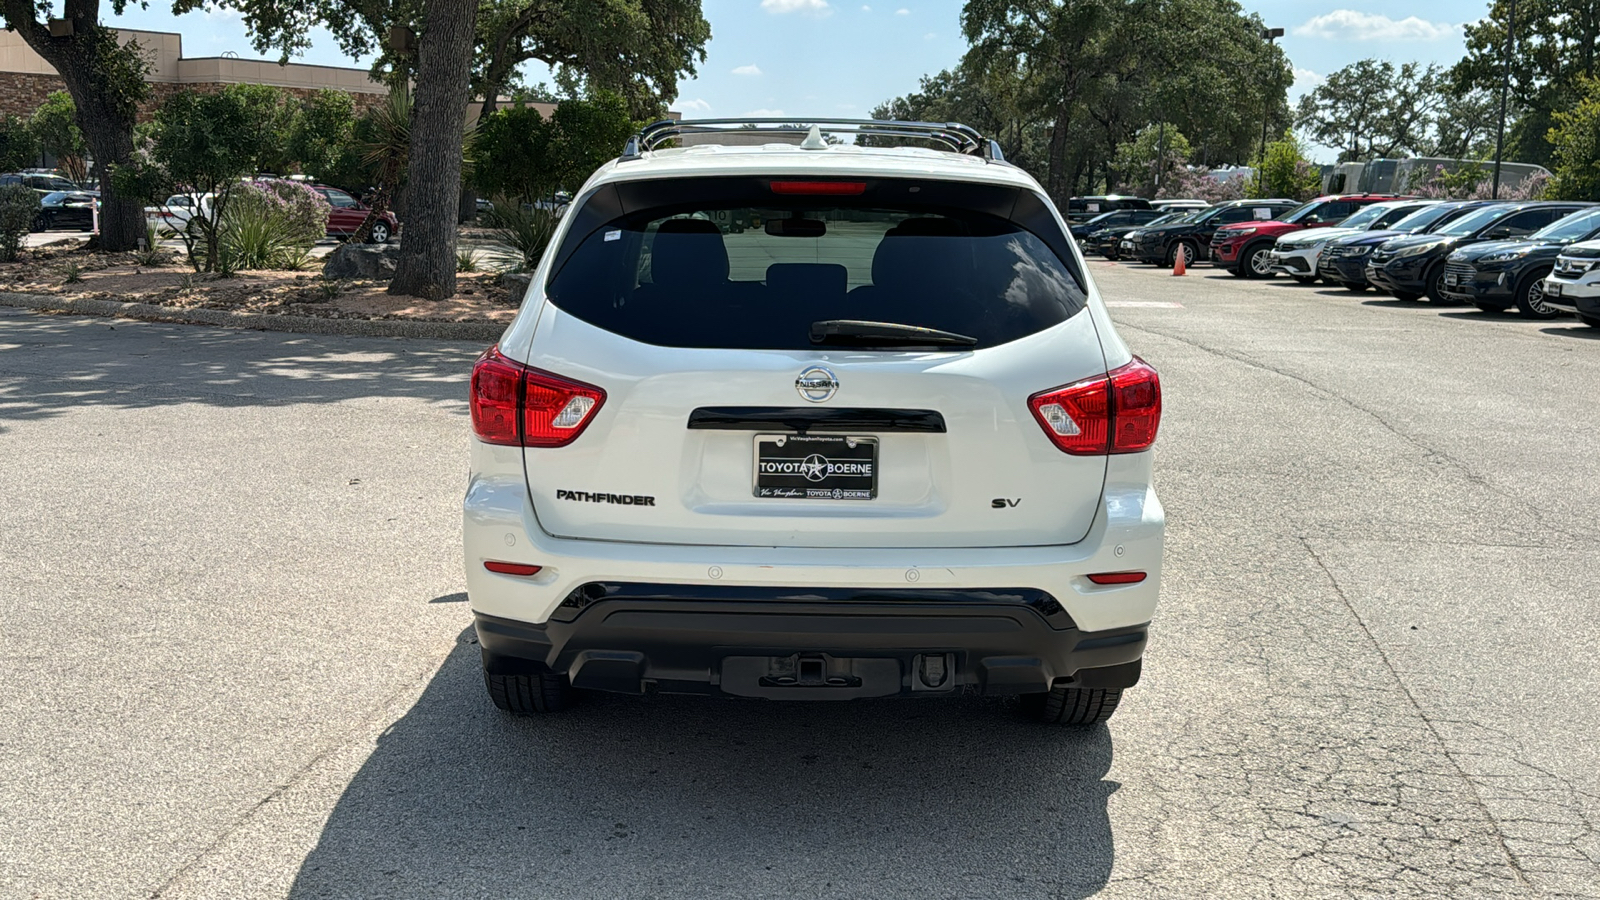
x=802, y=419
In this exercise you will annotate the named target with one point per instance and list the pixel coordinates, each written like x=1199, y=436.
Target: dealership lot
x=237, y=660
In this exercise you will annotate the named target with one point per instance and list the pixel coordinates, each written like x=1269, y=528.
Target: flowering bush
x=1470, y=183
x=271, y=224
x=1198, y=183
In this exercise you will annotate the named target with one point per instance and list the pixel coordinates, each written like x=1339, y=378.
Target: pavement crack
x=1455, y=764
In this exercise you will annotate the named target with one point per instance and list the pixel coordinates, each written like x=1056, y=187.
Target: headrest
x=688, y=253
x=915, y=252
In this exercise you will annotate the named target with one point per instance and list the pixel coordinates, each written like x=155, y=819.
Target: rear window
x=734, y=263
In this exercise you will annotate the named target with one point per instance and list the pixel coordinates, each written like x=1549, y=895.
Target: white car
x=884, y=440
x=1297, y=254
x=1574, y=285
x=175, y=213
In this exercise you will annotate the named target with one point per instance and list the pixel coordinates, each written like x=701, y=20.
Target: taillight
x=1118, y=412
x=820, y=188
x=515, y=405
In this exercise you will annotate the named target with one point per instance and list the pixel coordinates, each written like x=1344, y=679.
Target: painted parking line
x=1145, y=304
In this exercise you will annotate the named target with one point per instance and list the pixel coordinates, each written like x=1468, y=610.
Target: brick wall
x=21, y=93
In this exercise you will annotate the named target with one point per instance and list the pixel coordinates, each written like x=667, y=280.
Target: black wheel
x=1305, y=279
x=1409, y=298
x=1591, y=321
x=380, y=233
x=529, y=693
x=1435, y=282
x=40, y=223
x=1073, y=706
x=1256, y=261
x=1530, y=296
x=1184, y=247
x=1356, y=288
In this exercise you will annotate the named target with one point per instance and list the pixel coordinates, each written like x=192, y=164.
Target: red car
x=1243, y=248
x=348, y=214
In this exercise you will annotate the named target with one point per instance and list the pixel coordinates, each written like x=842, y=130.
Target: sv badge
x=1003, y=503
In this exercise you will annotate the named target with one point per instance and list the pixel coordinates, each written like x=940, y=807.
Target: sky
x=818, y=58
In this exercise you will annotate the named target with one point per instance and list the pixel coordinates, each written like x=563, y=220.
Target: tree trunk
x=106, y=104
x=427, y=264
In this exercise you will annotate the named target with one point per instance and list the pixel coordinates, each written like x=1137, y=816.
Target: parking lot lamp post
x=1505, y=87
x=1269, y=35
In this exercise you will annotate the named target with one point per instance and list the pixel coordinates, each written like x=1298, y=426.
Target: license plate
x=1552, y=289
x=816, y=467
x=1452, y=278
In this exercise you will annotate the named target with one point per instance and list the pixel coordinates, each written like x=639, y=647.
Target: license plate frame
x=788, y=470
x=1552, y=288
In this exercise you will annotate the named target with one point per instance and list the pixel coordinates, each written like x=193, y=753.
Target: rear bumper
x=709, y=642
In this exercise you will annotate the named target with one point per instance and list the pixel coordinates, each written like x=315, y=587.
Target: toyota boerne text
x=813, y=421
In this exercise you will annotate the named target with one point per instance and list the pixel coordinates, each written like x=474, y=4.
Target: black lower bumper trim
x=813, y=650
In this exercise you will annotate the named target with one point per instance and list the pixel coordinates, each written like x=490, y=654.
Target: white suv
x=813, y=422
x=1574, y=285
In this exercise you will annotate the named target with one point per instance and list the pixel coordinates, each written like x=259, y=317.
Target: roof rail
x=951, y=136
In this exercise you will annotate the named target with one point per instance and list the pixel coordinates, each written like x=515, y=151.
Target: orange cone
x=1178, y=267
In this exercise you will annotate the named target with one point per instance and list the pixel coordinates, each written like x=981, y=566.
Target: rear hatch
x=746, y=403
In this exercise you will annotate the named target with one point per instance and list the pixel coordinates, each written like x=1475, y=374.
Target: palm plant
x=388, y=151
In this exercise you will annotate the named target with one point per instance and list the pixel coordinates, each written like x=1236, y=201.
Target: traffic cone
x=1178, y=267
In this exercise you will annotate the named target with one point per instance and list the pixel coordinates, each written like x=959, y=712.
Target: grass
x=466, y=261
x=71, y=272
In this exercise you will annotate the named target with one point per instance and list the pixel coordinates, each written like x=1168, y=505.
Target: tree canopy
x=1373, y=108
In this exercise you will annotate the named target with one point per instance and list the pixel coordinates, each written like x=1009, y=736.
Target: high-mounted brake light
x=1118, y=412
x=820, y=188
x=515, y=405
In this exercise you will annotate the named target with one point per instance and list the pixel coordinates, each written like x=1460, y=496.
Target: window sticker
x=614, y=234
x=1261, y=213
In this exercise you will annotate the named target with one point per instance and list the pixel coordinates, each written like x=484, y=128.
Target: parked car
x=1108, y=241
x=1413, y=266
x=174, y=214
x=66, y=209
x=41, y=182
x=1082, y=209
x=1129, y=217
x=1496, y=275
x=1343, y=261
x=348, y=213
x=961, y=501
x=1161, y=245
x=1574, y=285
x=1246, y=249
x=1296, y=254
x=1183, y=205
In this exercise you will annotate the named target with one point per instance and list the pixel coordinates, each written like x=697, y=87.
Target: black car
x=60, y=210
x=1344, y=260
x=1160, y=245
x=1107, y=241
x=1128, y=217
x=1497, y=275
x=1082, y=209
x=1409, y=267
x=42, y=183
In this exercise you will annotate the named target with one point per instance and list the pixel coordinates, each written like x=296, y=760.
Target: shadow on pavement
x=52, y=364
x=1575, y=330
x=689, y=797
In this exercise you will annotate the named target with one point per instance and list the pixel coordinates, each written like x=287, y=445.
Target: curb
x=479, y=332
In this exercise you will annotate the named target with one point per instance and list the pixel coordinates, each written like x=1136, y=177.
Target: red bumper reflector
x=1117, y=577
x=820, y=188
x=506, y=568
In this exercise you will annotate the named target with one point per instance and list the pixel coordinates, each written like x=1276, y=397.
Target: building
x=26, y=79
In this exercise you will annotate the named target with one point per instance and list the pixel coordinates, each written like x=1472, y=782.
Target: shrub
x=19, y=204
x=523, y=231
x=466, y=261
x=270, y=225
x=1200, y=184
x=1576, y=139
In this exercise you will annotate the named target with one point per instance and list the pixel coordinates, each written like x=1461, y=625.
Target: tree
x=513, y=148
x=1372, y=109
x=1157, y=148
x=322, y=130
x=1575, y=143
x=55, y=125
x=427, y=264
x=588, y=134
x=106, y=80
x=1285, y=172
x=1465, y=128
x=1556, y=43
x=19, y=148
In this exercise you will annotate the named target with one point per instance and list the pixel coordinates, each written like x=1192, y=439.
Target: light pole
x=1269, y=35
x=1505, y=86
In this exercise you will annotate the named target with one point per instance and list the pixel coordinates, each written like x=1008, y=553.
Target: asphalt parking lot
x=238, y=663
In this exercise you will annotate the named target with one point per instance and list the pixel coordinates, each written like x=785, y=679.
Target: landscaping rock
x=362, y=261
x=517, y=283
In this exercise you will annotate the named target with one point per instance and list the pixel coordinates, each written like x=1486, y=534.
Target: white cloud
x=929, y=36
x=696, y=105
x=902, y=11
x=764, y=113
x=818, y=8
x=1350, y=25
x=865, y=8
x=751, y=69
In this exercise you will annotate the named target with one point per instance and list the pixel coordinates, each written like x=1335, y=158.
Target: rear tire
x=1530, y=296
x=529, y=694
x=1073, y=706
x=379, y=234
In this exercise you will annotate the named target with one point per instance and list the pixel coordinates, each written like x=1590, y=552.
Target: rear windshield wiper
x=857, y=332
